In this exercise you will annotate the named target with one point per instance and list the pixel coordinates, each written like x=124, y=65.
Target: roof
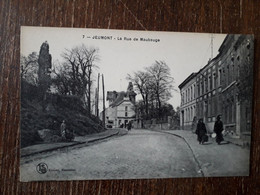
x=192, y=75
x=120, y=102
x=119, y=98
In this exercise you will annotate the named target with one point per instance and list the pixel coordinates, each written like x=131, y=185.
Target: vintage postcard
x=117, y=104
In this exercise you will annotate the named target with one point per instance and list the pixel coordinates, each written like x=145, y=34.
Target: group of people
x=128, y=125
x=201, y=131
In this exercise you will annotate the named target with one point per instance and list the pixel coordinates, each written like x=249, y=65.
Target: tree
x=141, y=80
x=76, y=76
x=161, y=83
x=29, y=68
x=62, y=80
x=154, y=84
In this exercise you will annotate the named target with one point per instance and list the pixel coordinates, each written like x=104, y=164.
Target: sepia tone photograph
x=119, y=104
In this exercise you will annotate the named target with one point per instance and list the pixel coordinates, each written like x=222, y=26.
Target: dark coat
x=129, y=126
x=201, y=131
x=218, y=128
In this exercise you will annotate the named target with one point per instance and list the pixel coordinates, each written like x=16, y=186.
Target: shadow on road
x=223, y=143
x=207, y=143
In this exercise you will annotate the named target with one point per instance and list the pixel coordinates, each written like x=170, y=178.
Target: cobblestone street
x=142, y=154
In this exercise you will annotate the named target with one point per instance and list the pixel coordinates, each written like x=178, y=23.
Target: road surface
x=140, y=154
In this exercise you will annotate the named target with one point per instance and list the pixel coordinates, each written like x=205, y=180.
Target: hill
x=56, y=108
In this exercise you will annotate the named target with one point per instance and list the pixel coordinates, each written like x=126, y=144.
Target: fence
x=169, y=124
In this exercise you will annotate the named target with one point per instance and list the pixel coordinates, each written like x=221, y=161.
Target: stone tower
x=44, y=70
x=130, y=92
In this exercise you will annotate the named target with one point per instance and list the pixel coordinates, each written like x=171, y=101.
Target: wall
x=188, y=104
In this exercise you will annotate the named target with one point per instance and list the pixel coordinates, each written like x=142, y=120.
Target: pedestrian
x=218, y=128
x=63, y=129
x=201, y=131
x=129, y=126
x=194, y=122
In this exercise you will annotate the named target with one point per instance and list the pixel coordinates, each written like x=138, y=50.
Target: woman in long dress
x=218, y=128
x=201, y=131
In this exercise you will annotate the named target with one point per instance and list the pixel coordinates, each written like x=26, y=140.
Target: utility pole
x=97, y=110
x=212, y=37
x=95, y=103
x=104, y=114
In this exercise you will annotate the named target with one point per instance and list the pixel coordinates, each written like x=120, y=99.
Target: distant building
x=188, y=102
x=121, y=108
x=222, y=87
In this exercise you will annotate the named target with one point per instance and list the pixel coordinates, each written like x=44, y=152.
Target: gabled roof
x=120, y=102
x=119, y=98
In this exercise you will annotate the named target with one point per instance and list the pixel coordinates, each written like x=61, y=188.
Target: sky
x=184, y=53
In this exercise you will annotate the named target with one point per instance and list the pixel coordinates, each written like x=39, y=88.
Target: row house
x=188, y=101
x=223, y=87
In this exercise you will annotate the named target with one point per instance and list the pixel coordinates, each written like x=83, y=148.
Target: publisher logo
x=42, y=168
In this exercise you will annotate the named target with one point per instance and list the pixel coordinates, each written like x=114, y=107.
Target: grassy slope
x=69, y=108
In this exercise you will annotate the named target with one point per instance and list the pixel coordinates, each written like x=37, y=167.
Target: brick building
x=224, y=86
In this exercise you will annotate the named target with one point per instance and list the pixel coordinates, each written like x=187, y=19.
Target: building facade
x=121, y=108
x=224, y=87
x=236, y=83
x=208, y=93
x=188, y=102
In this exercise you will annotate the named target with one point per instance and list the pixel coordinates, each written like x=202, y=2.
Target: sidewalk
x=46, y=147
x=190, y=136
x=226, y=159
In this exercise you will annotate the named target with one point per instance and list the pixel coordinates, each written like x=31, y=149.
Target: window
x=198, y=89
x=194, y=91
x=191, y=114
x=209, y=108
x=110, y=122
x=188, y=94
x=210, y=83
x=205, y=85
x=191, y=91
x=202, y=88
x=219, y=77
x=214, y=81
x=126, y=108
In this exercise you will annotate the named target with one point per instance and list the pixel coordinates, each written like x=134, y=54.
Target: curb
x=51, y=149
x=73, y=144
x=187, y=143
x=93, y=140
